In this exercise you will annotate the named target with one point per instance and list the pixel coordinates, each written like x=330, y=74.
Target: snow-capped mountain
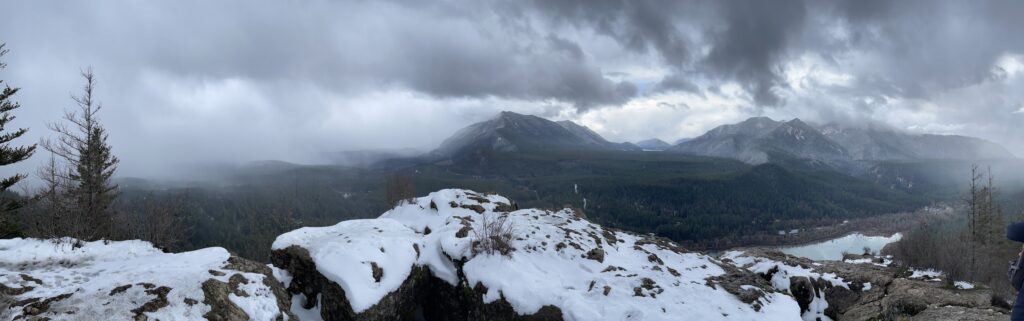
x=758, y=140
x=797, y=139
x=510, y=132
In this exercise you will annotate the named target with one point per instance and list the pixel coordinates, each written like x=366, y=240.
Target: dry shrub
x=493, y=235
x=944, y=247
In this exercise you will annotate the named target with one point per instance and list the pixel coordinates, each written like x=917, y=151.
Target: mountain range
x=760, y=140
x=755, y=141
x=706, y=192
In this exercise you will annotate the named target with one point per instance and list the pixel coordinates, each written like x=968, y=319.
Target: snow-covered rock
x=132, y=280
x=861, y=288
x=421, y=259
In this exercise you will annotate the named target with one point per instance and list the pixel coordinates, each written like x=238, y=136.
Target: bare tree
x=973, y=215
x=52, y=209
x=82, y=144
x=153, y=219
x=984, y=221
x=398, y=188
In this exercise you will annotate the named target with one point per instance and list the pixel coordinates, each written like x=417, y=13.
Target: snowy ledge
x=560, y=264
x=132, y=280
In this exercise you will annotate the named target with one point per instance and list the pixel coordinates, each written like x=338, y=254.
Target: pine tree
x=9, y=154
x=91, y=164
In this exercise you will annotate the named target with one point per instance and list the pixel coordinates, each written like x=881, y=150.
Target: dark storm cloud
x=753, y=42
x=931, y=46
x=747, y=38
x=438, y=49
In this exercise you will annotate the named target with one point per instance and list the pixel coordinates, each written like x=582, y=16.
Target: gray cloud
x=239, y=80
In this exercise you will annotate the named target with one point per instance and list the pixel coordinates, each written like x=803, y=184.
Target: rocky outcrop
x=428, y=259
x=421, y=295
x=875, y=290
x=423, y=260
x=132, y=280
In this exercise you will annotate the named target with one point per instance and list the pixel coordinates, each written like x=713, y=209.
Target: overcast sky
x=200, y=81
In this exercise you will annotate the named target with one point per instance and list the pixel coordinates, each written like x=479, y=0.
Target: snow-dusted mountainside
x=758, y=140
x=421, y=258
x=510, y=132
x=132, y=280
x=881, y=143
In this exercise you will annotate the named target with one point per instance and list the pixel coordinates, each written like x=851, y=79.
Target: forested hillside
x=702, y=201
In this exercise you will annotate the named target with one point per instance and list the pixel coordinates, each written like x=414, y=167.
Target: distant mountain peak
x=758, y=139
x=513, y=132
x=653, y=144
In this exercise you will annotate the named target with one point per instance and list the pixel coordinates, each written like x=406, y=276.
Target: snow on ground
x=963, y=285
x=107, y=280
x=781, y=279
x=927, y=275
x=886, y=260
x=560, y=259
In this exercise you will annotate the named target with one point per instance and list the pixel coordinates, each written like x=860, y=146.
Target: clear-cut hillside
x=419, y=259
x=132, y=280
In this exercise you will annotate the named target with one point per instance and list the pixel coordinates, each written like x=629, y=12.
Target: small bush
x=493, y=235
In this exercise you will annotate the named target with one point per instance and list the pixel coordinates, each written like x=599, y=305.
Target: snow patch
x=963, y=285
x=927, y=275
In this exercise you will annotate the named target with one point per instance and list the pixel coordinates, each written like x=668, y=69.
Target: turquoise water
x=832, y=250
